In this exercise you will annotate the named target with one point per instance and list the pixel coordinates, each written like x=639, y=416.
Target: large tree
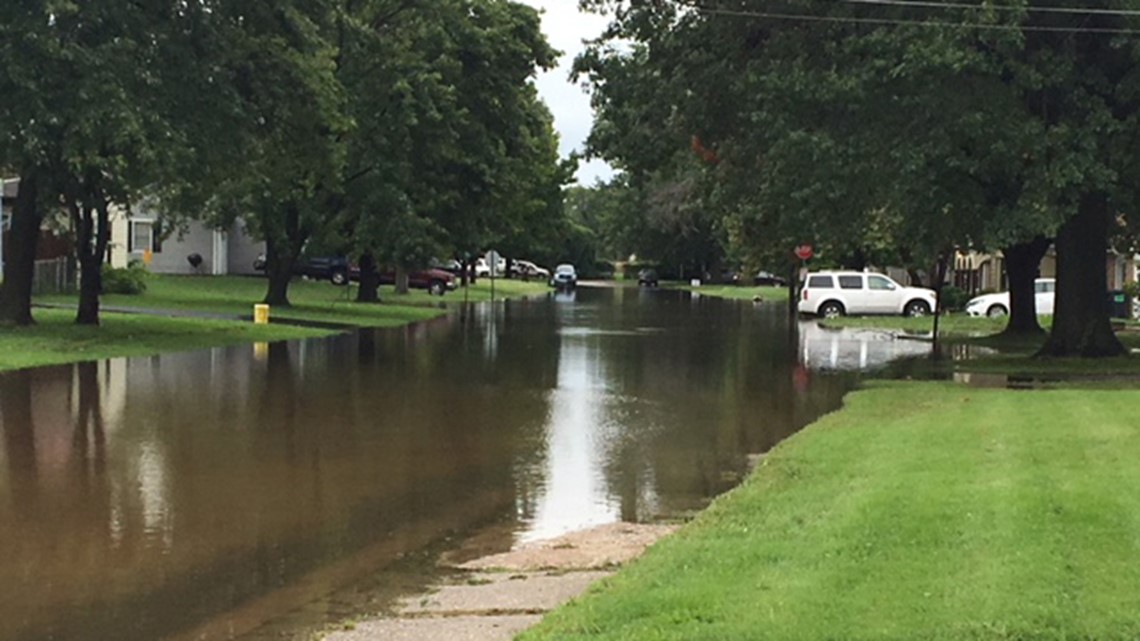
x=920, y=128
x=452, y=150
x=86, y=124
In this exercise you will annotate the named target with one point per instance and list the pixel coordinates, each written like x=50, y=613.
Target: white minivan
x=831, y=294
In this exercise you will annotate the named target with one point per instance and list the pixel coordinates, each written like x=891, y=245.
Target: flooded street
x=243, y=492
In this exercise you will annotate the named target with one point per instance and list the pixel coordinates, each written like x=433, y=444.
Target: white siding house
x=139, y=236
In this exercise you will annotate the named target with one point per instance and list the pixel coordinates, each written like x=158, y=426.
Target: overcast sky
x=566, y=28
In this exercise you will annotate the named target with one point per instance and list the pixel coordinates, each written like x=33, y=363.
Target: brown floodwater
x=250, y=492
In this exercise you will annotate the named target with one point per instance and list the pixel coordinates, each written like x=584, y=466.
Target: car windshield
x=565, y=269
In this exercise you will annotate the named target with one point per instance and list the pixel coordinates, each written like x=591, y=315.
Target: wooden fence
x=54, y=276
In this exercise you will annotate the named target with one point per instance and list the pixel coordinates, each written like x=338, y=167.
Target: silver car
x=565, y=276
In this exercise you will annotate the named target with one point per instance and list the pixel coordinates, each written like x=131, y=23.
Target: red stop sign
x=804, y=252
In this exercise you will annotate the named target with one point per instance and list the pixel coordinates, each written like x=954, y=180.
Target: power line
x=931, y=4
x=741, y=13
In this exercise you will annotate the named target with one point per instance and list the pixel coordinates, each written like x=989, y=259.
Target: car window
x=880, y=283
x=820, y=282
x=1044, y=287
x=851, y=282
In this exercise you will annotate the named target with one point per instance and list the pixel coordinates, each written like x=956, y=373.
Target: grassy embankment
x=736, y=292
x=55, y=339
x=317, y=301
x=920, y=511
x=1014, y=356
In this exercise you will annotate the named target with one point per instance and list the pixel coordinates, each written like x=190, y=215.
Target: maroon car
x=436, y=281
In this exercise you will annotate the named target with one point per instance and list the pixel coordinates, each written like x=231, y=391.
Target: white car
x=997, y=305
x=483, y=267
x=527, y=269
x=565, y=277
x=831, y=294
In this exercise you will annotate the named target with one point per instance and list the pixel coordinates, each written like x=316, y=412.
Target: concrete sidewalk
x=496, y=597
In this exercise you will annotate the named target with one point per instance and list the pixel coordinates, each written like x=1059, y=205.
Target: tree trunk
x=20, y=257
x=1081, y=325
x=369, y=280
x=279, y=270
x=465, y=267
x=90, y=286
x=401, y=280
x=282, y=251
x=92, y=224
x=1022, y=262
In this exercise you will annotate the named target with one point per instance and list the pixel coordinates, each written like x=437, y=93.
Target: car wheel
x=339, y=278
x=997, y=311
x=917, y=308
x=831, y=309
x=437, y=288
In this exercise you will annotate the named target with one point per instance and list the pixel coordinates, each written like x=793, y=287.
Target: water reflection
x=201, y=495
x=855, y=349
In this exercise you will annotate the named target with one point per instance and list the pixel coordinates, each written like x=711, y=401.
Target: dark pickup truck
x=334, y=269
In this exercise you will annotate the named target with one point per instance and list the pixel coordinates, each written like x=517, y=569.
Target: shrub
x=954, y=298
x=130, y=280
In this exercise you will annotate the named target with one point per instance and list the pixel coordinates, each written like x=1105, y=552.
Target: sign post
x=804, y=252
x=493, y=263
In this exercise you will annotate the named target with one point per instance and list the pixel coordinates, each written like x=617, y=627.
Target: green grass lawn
x=56, y=339
x=949, y=324
x=311, y=300
x=920, y=511
x=736, y=292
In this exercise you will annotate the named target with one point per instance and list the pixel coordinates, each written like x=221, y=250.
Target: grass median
x=56, y=339
x=735, y=292
x=920, y=511
x=313, y=301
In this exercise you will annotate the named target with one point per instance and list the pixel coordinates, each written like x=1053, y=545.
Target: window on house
x=142, y=236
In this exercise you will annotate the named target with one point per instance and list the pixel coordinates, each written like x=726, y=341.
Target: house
x=54, y=242
x=978, y=272
x=139, y=235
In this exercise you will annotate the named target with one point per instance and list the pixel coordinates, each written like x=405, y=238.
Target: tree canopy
x=882, y=129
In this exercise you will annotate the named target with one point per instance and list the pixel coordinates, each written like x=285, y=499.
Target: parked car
x=483, y=267
x=565, y=277
x=831, y=294
x=527, y=269
x=435, y=281
x=647, y=278
x=451, y=266
x=997, y=305
x=334, y=269
x=768, y=279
